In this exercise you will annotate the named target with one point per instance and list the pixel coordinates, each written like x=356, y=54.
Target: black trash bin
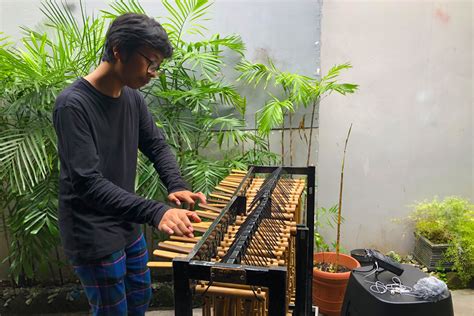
x=359, y=300
x=362, y=256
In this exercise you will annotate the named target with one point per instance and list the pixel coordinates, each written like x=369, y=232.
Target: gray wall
x=413, y=116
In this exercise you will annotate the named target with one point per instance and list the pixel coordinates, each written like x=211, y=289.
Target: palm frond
x=203, y=174
x=203, y=95
x=120, y=7
x=24, y=158
x=214, y=44
x=272, y=114
x=82, y=41
x=297, y=86
x=147, y=183
x=252, y=157
x=184, y=17
x=253, y=73
x=208, y=63
x=225, y=128
x=34, y=229
x=335, y=71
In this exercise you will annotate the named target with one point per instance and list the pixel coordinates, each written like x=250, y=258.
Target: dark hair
x=130, y=31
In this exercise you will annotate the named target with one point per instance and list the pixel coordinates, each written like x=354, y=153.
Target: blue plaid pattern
x=118, y=284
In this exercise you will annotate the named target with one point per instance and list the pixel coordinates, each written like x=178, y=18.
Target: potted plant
x=444, y=235
x=332, y=269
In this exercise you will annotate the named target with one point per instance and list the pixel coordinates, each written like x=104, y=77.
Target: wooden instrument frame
x=197, y=266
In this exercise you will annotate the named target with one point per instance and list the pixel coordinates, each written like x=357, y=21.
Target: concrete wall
x=413, y=116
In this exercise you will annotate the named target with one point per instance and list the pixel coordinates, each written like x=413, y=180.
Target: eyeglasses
x=153, y=66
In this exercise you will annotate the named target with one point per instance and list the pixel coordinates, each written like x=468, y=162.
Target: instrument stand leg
x=183, y=298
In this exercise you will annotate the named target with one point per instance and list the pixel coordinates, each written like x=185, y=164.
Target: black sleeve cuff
x=159, y=215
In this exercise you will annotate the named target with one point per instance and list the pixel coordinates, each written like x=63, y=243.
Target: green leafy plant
x=31, y=77
x=395, y=256
x=450, y=221
x=326, y=217
x=297, y=90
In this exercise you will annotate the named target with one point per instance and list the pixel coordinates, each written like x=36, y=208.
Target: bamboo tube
x=224, y=245
x=257, y=260
x=232, y=292
x=267, y=253
x=284, y=223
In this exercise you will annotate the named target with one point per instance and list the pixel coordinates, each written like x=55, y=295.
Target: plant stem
x=256, y=133
x=61, y=279
x=311, y=130
x=283, y=141
x=51, y=270
x=338, y=239
x=291, y=139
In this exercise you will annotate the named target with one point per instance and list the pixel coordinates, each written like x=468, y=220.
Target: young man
x=101, y=121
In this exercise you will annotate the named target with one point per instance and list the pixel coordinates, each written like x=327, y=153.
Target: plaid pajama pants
x=118, y=284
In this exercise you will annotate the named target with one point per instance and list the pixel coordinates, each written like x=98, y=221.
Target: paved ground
x=463, y=301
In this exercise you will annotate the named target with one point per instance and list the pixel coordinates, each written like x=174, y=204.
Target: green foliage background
x=187, y=102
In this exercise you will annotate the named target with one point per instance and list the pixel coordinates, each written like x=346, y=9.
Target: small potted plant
x=332, y=269
x=444, y=235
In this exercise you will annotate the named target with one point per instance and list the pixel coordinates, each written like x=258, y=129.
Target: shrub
x=450, y=221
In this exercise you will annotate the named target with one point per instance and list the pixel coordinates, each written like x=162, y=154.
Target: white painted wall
x=412, y=137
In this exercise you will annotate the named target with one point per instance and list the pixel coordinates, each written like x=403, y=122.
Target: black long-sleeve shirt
x=98, y=141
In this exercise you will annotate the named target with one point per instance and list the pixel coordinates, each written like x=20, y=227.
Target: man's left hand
x=187, y=197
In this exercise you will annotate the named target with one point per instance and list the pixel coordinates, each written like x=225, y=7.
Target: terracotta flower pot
x=329, y=288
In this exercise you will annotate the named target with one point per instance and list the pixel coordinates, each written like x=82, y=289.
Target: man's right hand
x=178, y=222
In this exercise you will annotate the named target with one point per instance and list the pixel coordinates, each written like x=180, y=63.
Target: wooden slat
x=239, y=171
x=230, y=183
x=220, y=188
x=207, y=214
x=180, y=244
x=169, y=247
x=217, y=203
x=222, y=194
x=210, y=208
x=219, y=196
x=185, y=239
x=160, y=264
x=167, y=254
